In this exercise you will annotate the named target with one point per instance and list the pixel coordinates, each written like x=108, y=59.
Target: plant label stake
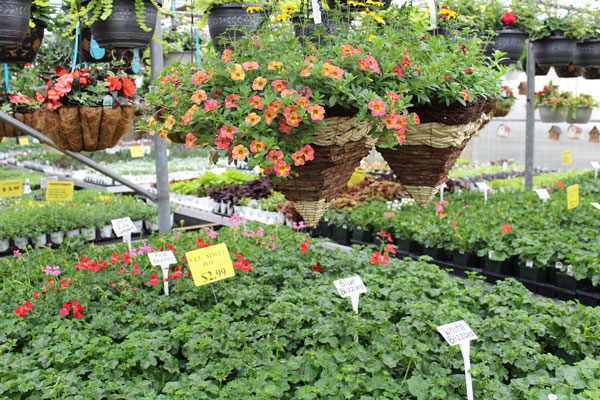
x=483, y=187
x=316, y=11
x=459, y=333
x=596, y=166
x=96, y=51
x=210, y=264
x=572, y=196
x=136, y=151
x=543, y=194
x=597, y=205
x=59, y=191
x=11, y=189
x=567, y=157
x=444, y=186
x=163, y=259
x=123, y=227
x=351, y=287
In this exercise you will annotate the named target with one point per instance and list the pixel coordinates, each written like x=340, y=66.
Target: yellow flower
x=375, y=3
x=371, y=37
x=377, y=18
x=252, y=10
x=289, y=8
x=356, y=3
x=169, y=122
x=238, y=73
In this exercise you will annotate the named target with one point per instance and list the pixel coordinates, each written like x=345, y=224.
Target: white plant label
x=543, y=194
x=164, y=259
x=351, y=287
x=483, y=187
x=44, y=181
x=316, y=11
x=459, y=333
x=596, y=166
x=597, y=205
x=444, y=186
x=123, y=227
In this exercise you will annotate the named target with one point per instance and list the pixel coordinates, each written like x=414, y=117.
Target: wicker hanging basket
x=338, y=150
x=430, y=150
x=30, y=119
x=81, y=128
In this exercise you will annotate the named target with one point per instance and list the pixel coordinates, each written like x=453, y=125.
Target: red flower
x=377, y=258
x=304, y=246
x=385, y=236
x=468, y=71
x=242, y=264
x=153, y=281
x=506, y=228
x=560, y=185
x=508, y=19
x=64, y=312
x=447, y=78
x=35, y=295
x=454, y=225
x=128, y=86
x=317, y=267
x=115, y=83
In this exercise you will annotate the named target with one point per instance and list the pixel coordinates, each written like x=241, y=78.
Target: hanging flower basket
x=500, y=111
x=582, y=115
x=26, y=51
x=225, y=21
x=82, y=128
x=423, y=161
x=554, y=50
x=121, y=29
x=14, y=21
x=30, y=119
x=509, y=41
x=587, y=53
x=337, y=153
x=570, y=71
x=591, y=73
x=125, y=55
x=548, y=115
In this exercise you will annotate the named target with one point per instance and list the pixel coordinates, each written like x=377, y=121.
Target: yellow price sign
x=11, y=189
x=23, y=141
x=136, y=151
x=59, y=191
x=572, y=196
x=210, y=264
x=4, y=139
x=567, y=157
x=358, y=176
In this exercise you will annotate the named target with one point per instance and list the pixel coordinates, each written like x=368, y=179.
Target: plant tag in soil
x=543, y=194
x=121, y=226
x=210, y=264
x=108, y=101
x=529, y=264
x=136, y=151
x=59, y=191
x=351, y=287
x=11, y=189
x=162, y=258
x=567, y=157
x=597, y=205
x=482, y=186
x=572, y=196
x=358, y=176
x=595, y=164
x=4, y=139
x=23, y=141
x=44, y=181
x=96, y=51
x=457, y=333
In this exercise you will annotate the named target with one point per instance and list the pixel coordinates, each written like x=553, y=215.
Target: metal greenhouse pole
x=530, y=124
x=160, y=146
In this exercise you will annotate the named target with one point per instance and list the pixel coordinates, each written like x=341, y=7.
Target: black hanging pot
x=539, y=70
x=26, y=51
x=509, y=41
x=587, y=53
x=591, y=73
x=570, y=71
x=305, y=27
x=554, y=50
x=125, y=55
x=121, y=29
x=225, y=21
x=14, y=21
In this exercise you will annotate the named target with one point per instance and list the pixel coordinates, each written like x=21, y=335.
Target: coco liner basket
x=423, y=161
x=30, y=119
x=338, y=151
x=81, y=128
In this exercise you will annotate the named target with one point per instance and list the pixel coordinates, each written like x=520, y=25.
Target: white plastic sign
x=543, y=194
x=163, y=259
x=123, y=227
x=483, y=187
x=596, y=166
x=444, y=186
x=351, y=287
x=459, y=333
x=597, y=205
x=316, y=6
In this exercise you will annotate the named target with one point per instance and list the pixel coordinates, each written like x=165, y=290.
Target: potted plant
x=553, y=105
x=569, y=71
x=580, y=109
x=84, y=111
x=356, y=6
x=287, y=108
x=117, y=23
x=504, y=102
x=587, y=51
x=14, y=20
x=554, y=41
x=26, y=51
x=20, y=107
x=228, y=20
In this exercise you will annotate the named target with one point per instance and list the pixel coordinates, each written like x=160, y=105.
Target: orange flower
x=252, y=119
x=298, y=158
x=256, y=102
x=257, y=146
x=399, y=71
x=239, y=152
x=337, y=73
x=275, y=156
x=189, y=141
x=288, y=93
x=377, y=107
x=222, y=143
x=115, y=83
x=198, y=96
x=226, y=56
x=293, y=119
x=506, y=228
x=238, y=73
x=250, y=66
x=465, y=94
x=327, y=69
x=259, y=83
x=306, y=71
x=275, y=65
x=317, y=112
x=282, y=169
x=560, y=185
x=303, y=102
x=400, y=136
x=169, y=122
x=310, y=59
x=200, y=77
x=279, y=85
x=270, y=115
x=394, y=98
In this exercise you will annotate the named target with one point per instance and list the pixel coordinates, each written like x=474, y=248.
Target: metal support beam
x=79, y=157
x=160, y=146
x=530, y=122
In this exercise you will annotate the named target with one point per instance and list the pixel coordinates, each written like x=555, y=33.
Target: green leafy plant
x=550, y=96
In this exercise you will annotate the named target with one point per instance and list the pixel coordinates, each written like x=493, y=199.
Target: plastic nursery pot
x=4, y=245
x=20, y=242
x=89, y=234
x=533, y=274
x=106, y=232
x=509, y=41
x=437, y=253
x=362, y=236
x=547, y=115
x=587, y=53
x=14, y=20
x=225, y=21
x=554, y=50
x=466, y=259
x=25, y=51
x=499, y=267
x=139, y=226
x=582, y=116
x=341, y=235
x=57, y=237
x=40, y=240
x=325, y=228
x=569, y=71
x=565, y=281
x=121, y=29
x=409, y=245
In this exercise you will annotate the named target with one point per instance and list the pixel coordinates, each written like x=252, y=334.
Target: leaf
x=418, y=387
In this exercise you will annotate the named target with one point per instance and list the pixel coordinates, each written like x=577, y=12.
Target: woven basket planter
x=30, y=119
x=499, y=111
x=430, y=150
x=338, y=152
x=81, y=128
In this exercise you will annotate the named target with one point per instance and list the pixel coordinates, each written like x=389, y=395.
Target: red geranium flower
x=128, y=86
x=506, y=228
x=317, y=267
x=508, y=19
x=115, y=83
